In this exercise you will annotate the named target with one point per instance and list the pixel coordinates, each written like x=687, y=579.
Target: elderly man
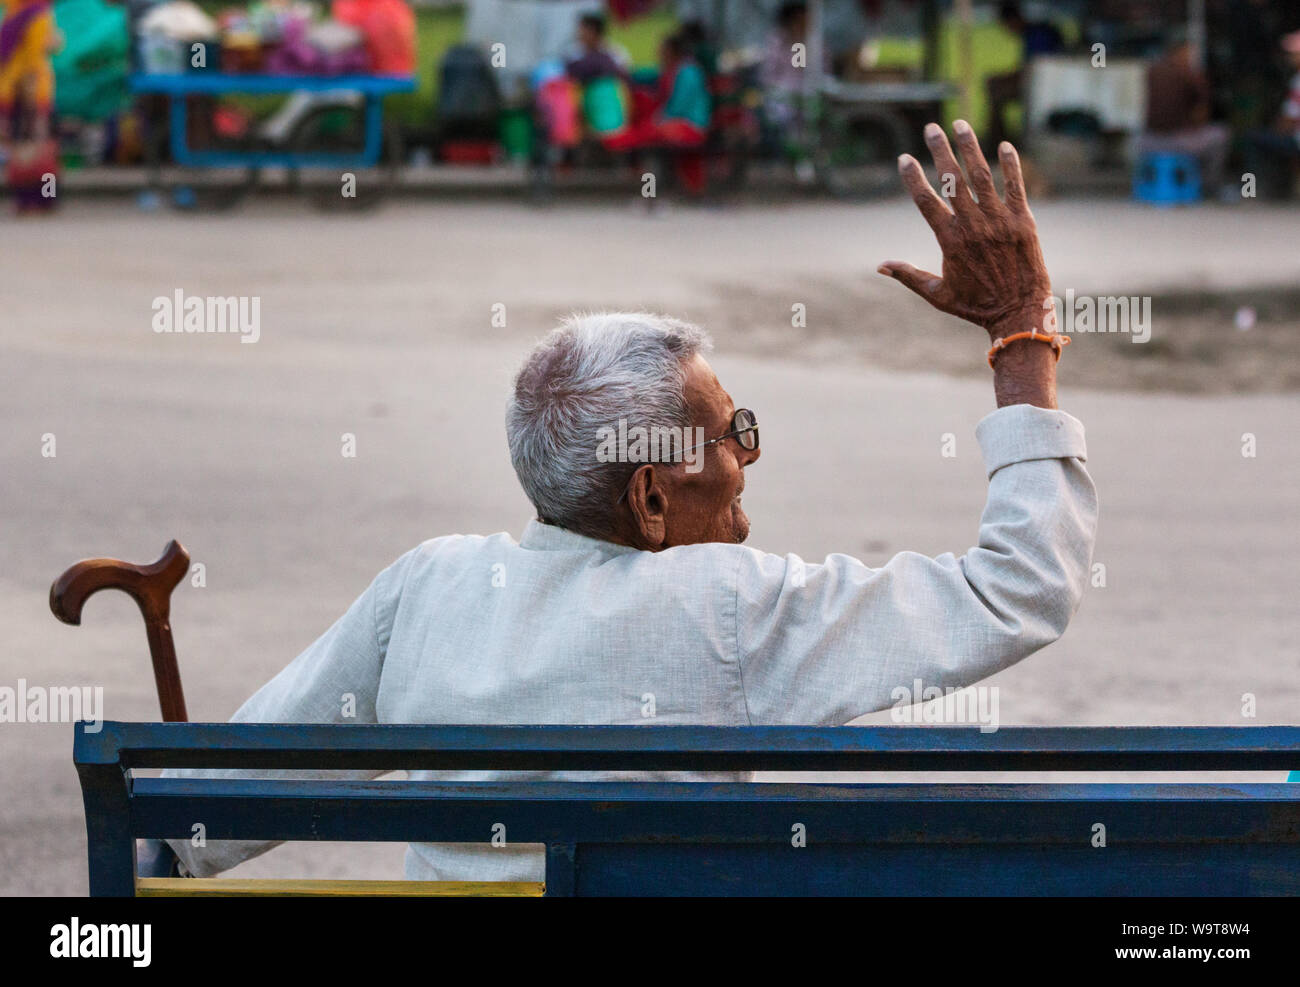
x=633, y=579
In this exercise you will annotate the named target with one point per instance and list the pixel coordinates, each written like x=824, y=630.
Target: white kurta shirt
x=562, y=629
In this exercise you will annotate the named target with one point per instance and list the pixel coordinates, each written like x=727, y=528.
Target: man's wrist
x=1025, y=373
x=1038, y=317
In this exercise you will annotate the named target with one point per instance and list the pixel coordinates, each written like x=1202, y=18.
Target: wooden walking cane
x=151, y=587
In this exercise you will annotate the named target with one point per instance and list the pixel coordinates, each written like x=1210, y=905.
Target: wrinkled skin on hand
x=994, y=274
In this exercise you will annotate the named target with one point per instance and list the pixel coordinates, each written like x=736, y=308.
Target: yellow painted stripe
x=207, y=887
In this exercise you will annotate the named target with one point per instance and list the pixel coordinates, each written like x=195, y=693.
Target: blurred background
x=728, y=97
x=400, y=200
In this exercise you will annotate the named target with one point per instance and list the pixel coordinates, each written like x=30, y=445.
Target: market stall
x=336, y=70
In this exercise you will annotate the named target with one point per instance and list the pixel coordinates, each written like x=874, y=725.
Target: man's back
x=559, y=628
x=554, y=629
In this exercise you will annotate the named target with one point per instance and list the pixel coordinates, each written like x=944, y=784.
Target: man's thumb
x=924, y=283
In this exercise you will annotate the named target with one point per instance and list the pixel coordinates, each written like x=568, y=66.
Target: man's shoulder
x=434, y=553
x=720, y=560
x=753, y=567
x=717, y=563
x=449, y=544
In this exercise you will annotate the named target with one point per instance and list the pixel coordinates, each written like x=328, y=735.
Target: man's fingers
x=977, y=168
x=933, y=208
x=924, y=283
x=1012, y=180
x=951, y=179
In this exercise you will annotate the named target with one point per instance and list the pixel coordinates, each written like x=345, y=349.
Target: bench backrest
x=727, y=838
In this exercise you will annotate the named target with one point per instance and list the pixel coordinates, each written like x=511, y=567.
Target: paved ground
x=382, y=326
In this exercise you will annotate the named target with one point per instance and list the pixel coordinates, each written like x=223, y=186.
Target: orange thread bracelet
x=1057, y=341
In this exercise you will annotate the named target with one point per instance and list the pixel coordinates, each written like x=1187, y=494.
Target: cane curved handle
x=151, y=587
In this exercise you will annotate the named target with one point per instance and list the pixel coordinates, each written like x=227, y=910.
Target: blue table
x=181, y=85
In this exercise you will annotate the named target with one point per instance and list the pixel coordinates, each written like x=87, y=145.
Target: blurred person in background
x=28, y=37
x=1178, y=113
x=677, y=114
x=594, y=56
x=1037, y=38
x=782, y=72
x=700, y=45
x=1272, y=155
x=1247, y=72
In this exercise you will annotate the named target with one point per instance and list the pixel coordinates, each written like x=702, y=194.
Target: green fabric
x=604, y=104
x=689, y=99
x=517, y=134
x=90, y=72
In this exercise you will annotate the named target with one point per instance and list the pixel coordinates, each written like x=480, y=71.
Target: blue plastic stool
x=1167, y=178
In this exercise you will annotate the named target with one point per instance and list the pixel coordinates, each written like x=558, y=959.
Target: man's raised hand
x=993, y=269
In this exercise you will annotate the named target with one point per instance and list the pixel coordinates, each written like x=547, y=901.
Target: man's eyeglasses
x=744, y=429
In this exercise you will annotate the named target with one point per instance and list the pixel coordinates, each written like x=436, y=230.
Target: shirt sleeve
x=825, y=643
x=335, y=680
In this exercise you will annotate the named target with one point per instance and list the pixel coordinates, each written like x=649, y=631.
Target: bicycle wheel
x=858, y=150
x=341, y=130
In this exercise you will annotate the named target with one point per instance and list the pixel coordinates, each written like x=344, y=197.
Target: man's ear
x=647, y=498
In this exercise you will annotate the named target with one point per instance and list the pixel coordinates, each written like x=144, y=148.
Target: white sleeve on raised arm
x=826, y=643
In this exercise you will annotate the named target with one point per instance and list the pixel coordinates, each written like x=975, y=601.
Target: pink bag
x=389, y=27
x=560, y=105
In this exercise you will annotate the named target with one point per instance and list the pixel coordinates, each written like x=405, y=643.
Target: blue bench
x=644, y=838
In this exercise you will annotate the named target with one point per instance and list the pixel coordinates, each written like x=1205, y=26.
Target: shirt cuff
x=1021, y=432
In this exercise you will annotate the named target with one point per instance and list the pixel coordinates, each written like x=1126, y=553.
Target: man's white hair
x=591, y=372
